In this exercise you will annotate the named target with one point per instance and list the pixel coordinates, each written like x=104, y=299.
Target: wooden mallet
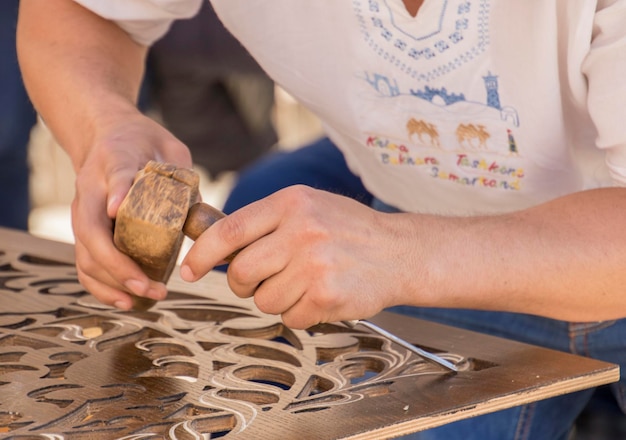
x=161, y=207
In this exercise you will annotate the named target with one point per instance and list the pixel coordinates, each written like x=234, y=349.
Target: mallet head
x=149, y=222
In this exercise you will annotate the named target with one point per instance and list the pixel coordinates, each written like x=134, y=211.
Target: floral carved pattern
x=190, y=366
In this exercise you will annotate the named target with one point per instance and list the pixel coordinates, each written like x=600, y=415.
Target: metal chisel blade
x=390, y=336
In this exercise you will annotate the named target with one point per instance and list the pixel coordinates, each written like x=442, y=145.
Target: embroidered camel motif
x=467, y=133
x=420, y=128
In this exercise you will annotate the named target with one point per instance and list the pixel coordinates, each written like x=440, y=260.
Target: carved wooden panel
x=204, y=364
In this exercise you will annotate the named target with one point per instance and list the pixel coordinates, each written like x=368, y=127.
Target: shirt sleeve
x=605, y=70
x=145, y=20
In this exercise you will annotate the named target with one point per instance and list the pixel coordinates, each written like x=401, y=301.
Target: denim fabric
x=319, y=165
x=17, y=118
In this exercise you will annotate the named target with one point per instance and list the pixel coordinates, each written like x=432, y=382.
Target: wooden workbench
x=205, y=362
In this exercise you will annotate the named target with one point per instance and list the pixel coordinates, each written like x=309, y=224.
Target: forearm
x=564, y=259
x=80, y=71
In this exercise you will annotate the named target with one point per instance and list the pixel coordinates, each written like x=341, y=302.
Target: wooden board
x=205, y=364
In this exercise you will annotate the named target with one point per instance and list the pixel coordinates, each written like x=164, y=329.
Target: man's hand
x=102, y=183
x=310, y=255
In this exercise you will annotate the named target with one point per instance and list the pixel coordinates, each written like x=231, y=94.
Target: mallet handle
x=200, y=217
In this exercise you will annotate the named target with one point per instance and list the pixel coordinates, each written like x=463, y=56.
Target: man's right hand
x=120, y=150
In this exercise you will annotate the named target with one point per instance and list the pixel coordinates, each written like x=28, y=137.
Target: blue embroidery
x=462, y=24
x=491, y=84
x=429, y=93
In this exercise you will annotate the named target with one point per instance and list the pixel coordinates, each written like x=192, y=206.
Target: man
x=504, y=150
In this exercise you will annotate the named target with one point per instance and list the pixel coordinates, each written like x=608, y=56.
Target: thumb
x=119, y=184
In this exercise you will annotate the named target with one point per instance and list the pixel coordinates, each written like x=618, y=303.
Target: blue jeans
x=321, y=165
x=17, y=118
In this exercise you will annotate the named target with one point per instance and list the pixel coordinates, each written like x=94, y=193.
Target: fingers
x=122, y=145
x=104, y=293
x=305, y=254
x=304, y=314
x=108, y=274
x=246, y=274
x=233, y=233
x=104, y=271
x=119, y=184
x=301, y=302
x=285, y=294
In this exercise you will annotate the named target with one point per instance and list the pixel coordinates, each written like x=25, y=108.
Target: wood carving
x=205, y=364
